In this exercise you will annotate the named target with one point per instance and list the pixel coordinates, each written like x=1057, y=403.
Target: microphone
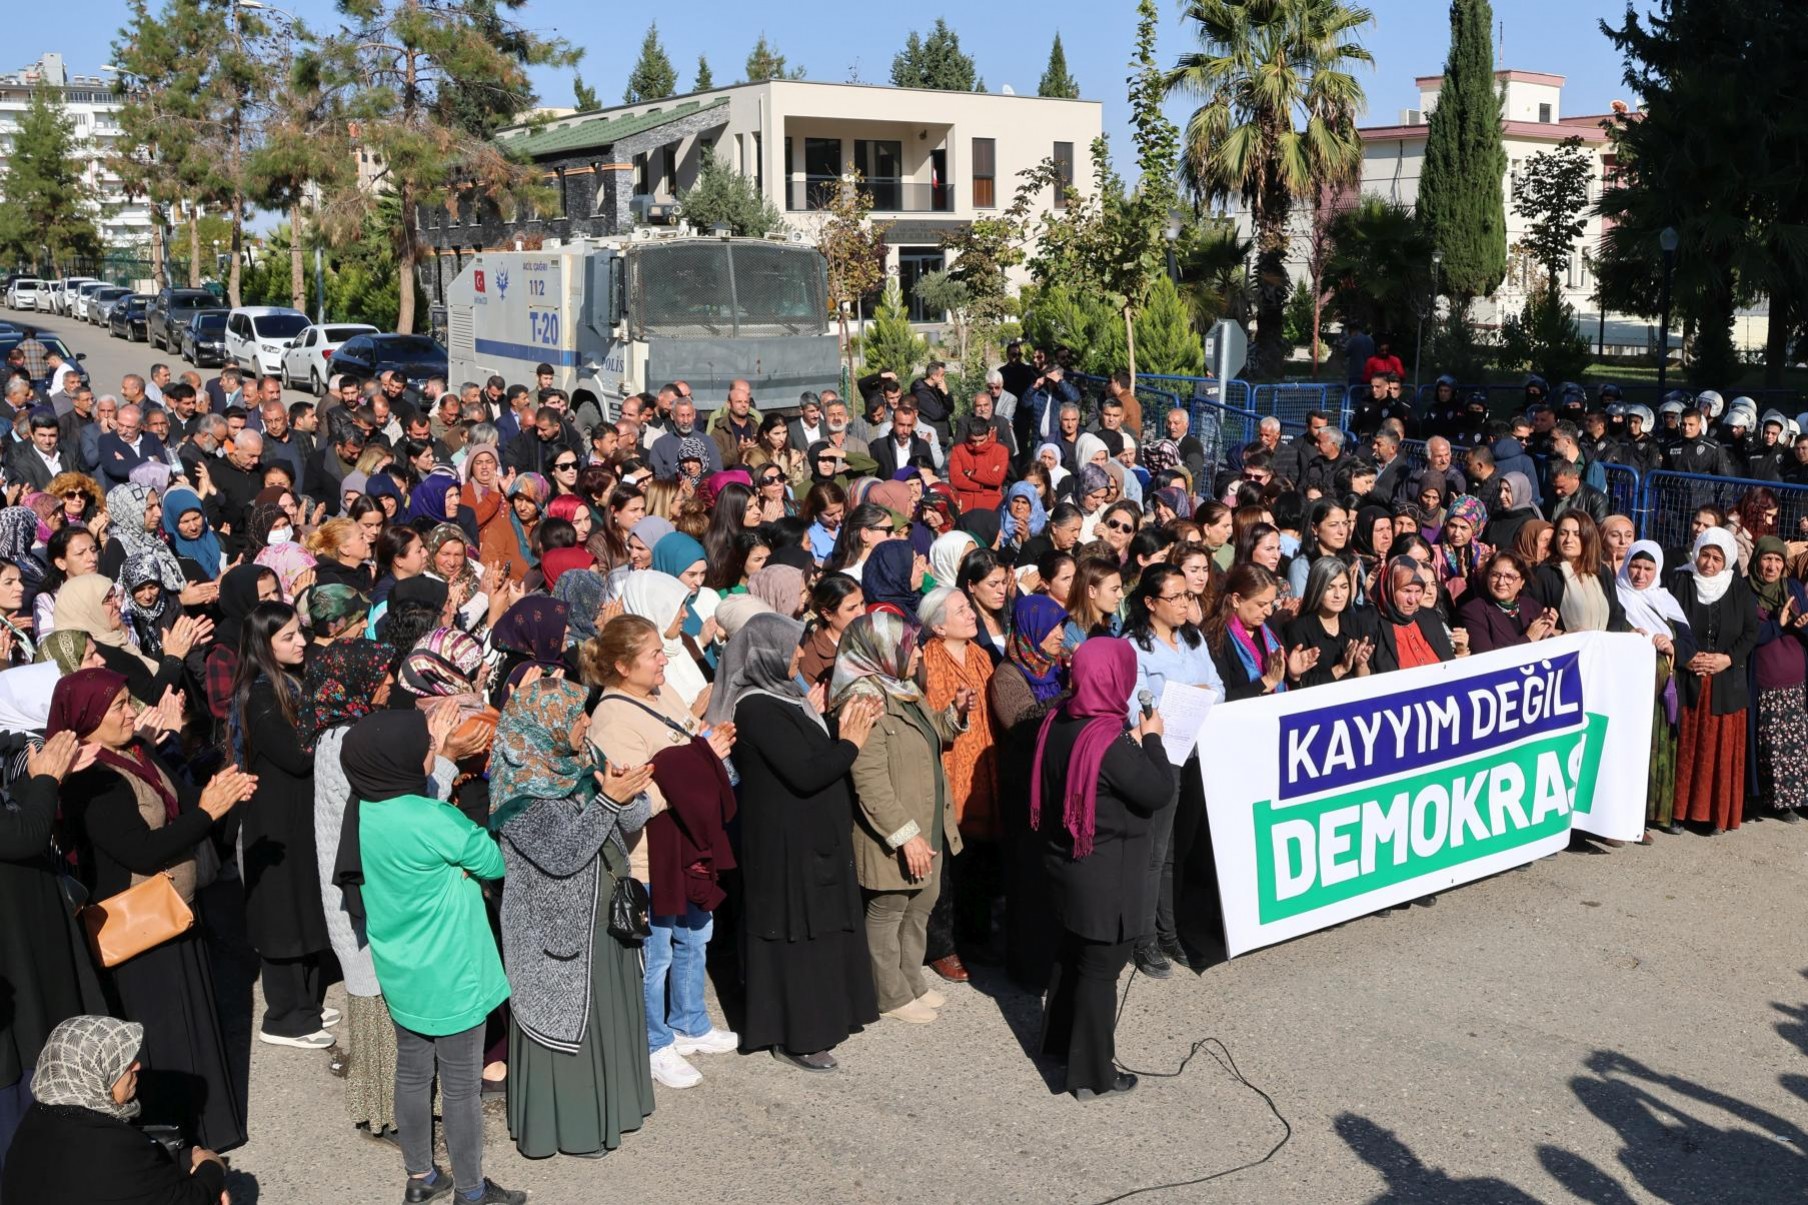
x=1146, y=701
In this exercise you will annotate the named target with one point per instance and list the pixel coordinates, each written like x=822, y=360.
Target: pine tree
x=303, y=153
x=1459, y=189
x=653, y=76
x=705, y=80
x=583, y=95
x=161, y=61
x=1055, y=79
x=392, y=71
x=46, y=202
x=935, y=62
x=764, y=62
x=891, y=344
x=724, y=197
x=1166, y=341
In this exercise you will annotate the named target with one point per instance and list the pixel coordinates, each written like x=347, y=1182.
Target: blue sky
x=1009, y=39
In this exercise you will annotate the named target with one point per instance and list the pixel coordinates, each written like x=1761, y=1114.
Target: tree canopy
x=1459, y=188
x=653, y=76
x=1055, y=79
x=935, y=61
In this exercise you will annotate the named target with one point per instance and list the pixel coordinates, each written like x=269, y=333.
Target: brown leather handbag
x=143, y=916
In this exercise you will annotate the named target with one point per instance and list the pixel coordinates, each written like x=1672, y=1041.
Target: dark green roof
x=571, y=134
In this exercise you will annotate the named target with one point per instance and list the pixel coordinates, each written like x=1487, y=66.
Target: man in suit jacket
x=808, y=427
x=126, y=447
x=930, y=393
x=900, y=446
x=34, y=461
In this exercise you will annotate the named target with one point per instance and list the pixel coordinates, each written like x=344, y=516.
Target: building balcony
x=889, y=195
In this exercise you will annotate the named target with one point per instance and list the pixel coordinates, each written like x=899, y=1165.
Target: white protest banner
x=1382, y=789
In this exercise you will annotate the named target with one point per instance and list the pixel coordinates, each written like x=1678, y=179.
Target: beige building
x=1532, y=122
x=933, y=161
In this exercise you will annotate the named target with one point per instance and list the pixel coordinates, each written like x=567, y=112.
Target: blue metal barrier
x=1668, y=502
x=1293, y=402
x=1623, y=489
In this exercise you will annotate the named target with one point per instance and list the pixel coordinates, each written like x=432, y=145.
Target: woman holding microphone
x=1096, y=787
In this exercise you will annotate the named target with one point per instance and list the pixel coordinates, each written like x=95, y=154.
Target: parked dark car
x=416, y=357
x=101, y=300
x=204, y=338
x=171, y=309
x=130, y=319
x=50, y=341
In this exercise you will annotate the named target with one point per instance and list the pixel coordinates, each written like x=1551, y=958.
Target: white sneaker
x=932, y=998
x=670, y=1069
x=329, y=1017
x=320, y=1039
x=716, y=1041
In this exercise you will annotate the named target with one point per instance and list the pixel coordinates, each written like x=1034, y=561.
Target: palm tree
x=1213, y=261
x=1276, y=121
x=1378, y=268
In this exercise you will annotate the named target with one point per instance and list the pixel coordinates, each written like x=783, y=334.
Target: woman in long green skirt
x=578, y=1072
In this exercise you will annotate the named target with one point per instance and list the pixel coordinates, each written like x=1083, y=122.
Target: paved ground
x=1619, y=1027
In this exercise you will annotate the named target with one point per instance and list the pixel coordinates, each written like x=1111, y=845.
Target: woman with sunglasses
x=1118, y=525
x=772, y=493
x=562, y=472
x=863, y=530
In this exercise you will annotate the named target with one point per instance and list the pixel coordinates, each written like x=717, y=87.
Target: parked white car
x=309, y=361
x=62, y=298
x=78, y=308
x=24, y=293
x=258, y=335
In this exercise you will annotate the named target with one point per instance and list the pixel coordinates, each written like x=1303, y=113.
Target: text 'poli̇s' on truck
x=615, y=317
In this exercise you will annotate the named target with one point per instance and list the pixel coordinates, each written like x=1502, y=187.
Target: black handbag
x=630, y=911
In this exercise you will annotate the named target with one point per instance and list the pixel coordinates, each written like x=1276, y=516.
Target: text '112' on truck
x=616, y=317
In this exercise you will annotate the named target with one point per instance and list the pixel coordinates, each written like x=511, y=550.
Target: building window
x=668, y=170
x=881, y=163
x=640, y=175
x=759, y=165
x=985, y=173
x=1544, y=114
x=564, y=196
x=1064, y=164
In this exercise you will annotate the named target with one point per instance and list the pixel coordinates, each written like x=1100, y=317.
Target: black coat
x=283, y=913
x=1104, y=896
x=797, y=823
x=885, y=452
x=1728, y=626
x=44, y=962
x=75, y=1156
x=1546, y=589
x=1239, y=683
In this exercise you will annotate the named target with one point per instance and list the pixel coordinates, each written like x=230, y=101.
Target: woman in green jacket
x=416, y=862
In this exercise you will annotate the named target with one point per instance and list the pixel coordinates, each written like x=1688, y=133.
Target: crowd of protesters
x=492, y=719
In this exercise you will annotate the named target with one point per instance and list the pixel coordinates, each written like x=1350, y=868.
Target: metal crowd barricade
x=1669, y=500
x=1623, y=488
x=1293, y=402
x=1413, y=452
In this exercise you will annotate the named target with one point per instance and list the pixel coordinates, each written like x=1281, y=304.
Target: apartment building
x=93, y=105
x=933, y=162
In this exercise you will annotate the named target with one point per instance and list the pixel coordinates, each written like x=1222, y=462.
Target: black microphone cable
x=1221, y=1055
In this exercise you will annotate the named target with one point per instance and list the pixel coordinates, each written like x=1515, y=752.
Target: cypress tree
x=1166, y=340
x=706, y=79
x=1459, y=188
x=1055, y=79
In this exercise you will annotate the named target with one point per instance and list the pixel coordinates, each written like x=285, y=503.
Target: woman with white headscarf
x=660, y=598
x=1652, y=610
x=947, y=553
x=1712, y=690
x=78, y=1142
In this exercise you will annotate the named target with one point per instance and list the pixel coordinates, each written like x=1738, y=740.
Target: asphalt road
x=1624, y=1026
x=109, y=359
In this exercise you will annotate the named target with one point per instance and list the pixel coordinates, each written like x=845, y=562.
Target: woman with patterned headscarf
x=1459, y=551
x=136, y=516
x=579, y=1076
x=147, y=607
x=530, y=634
x=18, y=534
x=905, y=818
x=78, y=1142
x=71, y=650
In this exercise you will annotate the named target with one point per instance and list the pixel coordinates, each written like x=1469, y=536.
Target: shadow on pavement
x=1672, y=1150
x=1410, y=1178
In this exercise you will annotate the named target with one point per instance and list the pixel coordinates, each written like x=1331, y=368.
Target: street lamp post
x=1431, y=303
x=1667, y=242
x=1171, y=231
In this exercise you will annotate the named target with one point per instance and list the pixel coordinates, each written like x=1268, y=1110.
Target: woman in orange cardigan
x=509, y=539
x=972, y=879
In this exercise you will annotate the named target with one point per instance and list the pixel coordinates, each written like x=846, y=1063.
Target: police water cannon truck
x=619, y=316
